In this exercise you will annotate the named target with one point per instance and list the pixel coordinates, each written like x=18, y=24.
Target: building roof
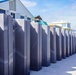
x=1, y=1
x=61, y=22
x=53, y=23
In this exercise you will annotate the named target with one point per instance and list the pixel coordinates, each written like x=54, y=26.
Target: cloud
x=51, y=12
x=28, y=3
x=65, y=13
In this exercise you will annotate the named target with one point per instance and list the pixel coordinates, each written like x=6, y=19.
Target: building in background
x=62, y=24
x=17, y=9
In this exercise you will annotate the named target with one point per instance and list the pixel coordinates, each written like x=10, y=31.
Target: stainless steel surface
x=75, y=42
x=10, y=43
x=45, y=45
x=71, y=44
x=58, y=43
x=27, y=47
x=36, y=46
x=67, y=43
x=73, y=35
x=6, y=45
x=63, y=43
x=53, y=45
x=22, y=47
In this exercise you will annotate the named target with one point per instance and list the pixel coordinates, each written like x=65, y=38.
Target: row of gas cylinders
x=26, y=45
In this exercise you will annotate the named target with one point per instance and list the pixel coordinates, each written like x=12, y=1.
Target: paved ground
x=65, y=67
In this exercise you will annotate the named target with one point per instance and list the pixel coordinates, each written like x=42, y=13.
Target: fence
x=26, y=45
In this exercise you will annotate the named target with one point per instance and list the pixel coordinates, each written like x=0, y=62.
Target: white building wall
x=20, y=8
x=4, y=5
x=60, y=25
x=17, y=15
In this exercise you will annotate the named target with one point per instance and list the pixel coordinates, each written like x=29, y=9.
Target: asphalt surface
x=64, y=67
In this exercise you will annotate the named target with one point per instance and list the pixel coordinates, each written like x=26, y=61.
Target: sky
x=53, y=10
